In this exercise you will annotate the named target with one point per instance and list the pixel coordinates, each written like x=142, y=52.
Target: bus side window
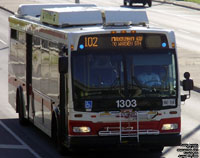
x=45, y=45
x=13, y=45
x=45, y=60
x=36, y=64
x=54, y=75
x=36, y=42
x=13, y=34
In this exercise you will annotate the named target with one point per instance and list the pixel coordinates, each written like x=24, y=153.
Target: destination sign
x=127, y=41
x=116, y=41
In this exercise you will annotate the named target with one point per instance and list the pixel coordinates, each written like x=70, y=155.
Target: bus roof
x=56, y=21
x=63, y=15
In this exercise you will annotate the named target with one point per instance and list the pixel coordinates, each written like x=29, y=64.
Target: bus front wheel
x=20, y=105
x=149, y=3
x=125, y=3
x=56, y=138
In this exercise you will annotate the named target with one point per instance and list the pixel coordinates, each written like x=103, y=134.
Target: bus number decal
x=91, y=41
x=126, y=103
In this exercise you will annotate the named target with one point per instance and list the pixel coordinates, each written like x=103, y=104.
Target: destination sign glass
x=125, y=40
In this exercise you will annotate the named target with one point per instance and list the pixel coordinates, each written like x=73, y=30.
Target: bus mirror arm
x=185, y=96
x=188, y=85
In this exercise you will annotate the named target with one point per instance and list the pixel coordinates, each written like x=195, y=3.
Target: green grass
x=196, y=1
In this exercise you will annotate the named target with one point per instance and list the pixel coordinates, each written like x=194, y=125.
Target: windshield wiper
x=116, y=85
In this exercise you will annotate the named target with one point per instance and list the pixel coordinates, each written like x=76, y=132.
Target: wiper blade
x=116, y=85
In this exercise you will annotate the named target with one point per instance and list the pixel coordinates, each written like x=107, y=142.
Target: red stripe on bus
x=53, y=33
x=96, y=127
x=15, y=82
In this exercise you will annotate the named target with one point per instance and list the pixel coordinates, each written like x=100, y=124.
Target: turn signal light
x=72, y=47
x=173, y=45
x=133, y=31
x=123, y=31
x=113, y=32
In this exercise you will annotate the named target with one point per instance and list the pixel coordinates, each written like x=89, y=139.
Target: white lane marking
x=18, y=139
x=6, y=146
x=177, y=15
x=3, y=42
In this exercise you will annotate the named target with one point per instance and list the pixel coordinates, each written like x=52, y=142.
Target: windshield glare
x=107, y=75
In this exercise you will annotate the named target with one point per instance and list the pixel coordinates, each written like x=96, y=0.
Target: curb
x=178, y=4
x=196, y=89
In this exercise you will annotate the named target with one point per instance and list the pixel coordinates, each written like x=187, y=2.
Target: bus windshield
x=100, y=78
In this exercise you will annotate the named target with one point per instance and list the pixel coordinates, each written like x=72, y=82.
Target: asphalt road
x=185, y=22
x=29, y=142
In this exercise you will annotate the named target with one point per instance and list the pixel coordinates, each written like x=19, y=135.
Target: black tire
x=20, y=105
x=130, y=4
x=56, y=138
x=149, y=3
x=125, y=3
x=54, y=132
x=144, y=3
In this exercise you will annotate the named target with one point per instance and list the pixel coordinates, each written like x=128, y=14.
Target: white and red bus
x=90, y=76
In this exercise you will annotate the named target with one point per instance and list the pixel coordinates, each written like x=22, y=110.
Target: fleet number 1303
x=126, y=103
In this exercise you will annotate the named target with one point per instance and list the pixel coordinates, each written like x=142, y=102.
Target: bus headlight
x=170, y=126
x=81, y=129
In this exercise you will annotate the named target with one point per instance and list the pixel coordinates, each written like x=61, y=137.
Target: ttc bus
x=91, y=76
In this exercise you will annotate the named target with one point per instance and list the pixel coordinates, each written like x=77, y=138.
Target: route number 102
x=126, y=103
x=91, y=41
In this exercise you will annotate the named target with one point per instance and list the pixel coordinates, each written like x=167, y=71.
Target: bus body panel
x=42, y=100
x=45, y=79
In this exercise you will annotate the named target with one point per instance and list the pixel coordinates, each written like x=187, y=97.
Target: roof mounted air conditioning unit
x=35, y=9
x=124, y=16
x=71, y=16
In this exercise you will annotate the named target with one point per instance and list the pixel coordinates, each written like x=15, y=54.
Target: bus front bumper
x=144, y=140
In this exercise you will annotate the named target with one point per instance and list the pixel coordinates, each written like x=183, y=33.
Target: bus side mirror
x=63, y=64
x=188, y=85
